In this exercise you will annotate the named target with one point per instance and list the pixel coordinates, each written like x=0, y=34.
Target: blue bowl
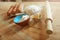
x=18, y=18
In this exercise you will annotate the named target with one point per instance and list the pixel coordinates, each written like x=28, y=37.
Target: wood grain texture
x=40, y=0
x=28, y=0
x=35, y=30
x=32, y=32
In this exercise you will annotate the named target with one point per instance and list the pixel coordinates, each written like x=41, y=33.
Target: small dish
x=22, y=19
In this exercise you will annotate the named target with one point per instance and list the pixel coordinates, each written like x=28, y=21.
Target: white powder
x=24, y=17
x=32, y=9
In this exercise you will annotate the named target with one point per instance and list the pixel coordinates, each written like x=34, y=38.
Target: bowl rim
x=23, y=20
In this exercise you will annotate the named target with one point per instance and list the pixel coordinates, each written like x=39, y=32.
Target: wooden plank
x=31, y=32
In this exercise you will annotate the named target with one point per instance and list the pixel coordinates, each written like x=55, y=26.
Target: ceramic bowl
x=22, y=19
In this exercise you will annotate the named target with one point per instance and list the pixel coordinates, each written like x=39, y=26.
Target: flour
x=24, y=17
x=32, y=9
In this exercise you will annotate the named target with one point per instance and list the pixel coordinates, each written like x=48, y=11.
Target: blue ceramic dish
x=18, y=18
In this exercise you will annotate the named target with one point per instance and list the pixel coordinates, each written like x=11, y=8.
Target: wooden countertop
x=33, y=31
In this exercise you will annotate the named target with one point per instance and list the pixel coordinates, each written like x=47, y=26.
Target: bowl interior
x=19, y=18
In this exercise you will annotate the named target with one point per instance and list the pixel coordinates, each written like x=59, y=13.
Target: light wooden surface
x=29, y=0
x=33, y=31
x=40, y=0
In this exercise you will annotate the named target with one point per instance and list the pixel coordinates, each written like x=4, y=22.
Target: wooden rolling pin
x=49, y=18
